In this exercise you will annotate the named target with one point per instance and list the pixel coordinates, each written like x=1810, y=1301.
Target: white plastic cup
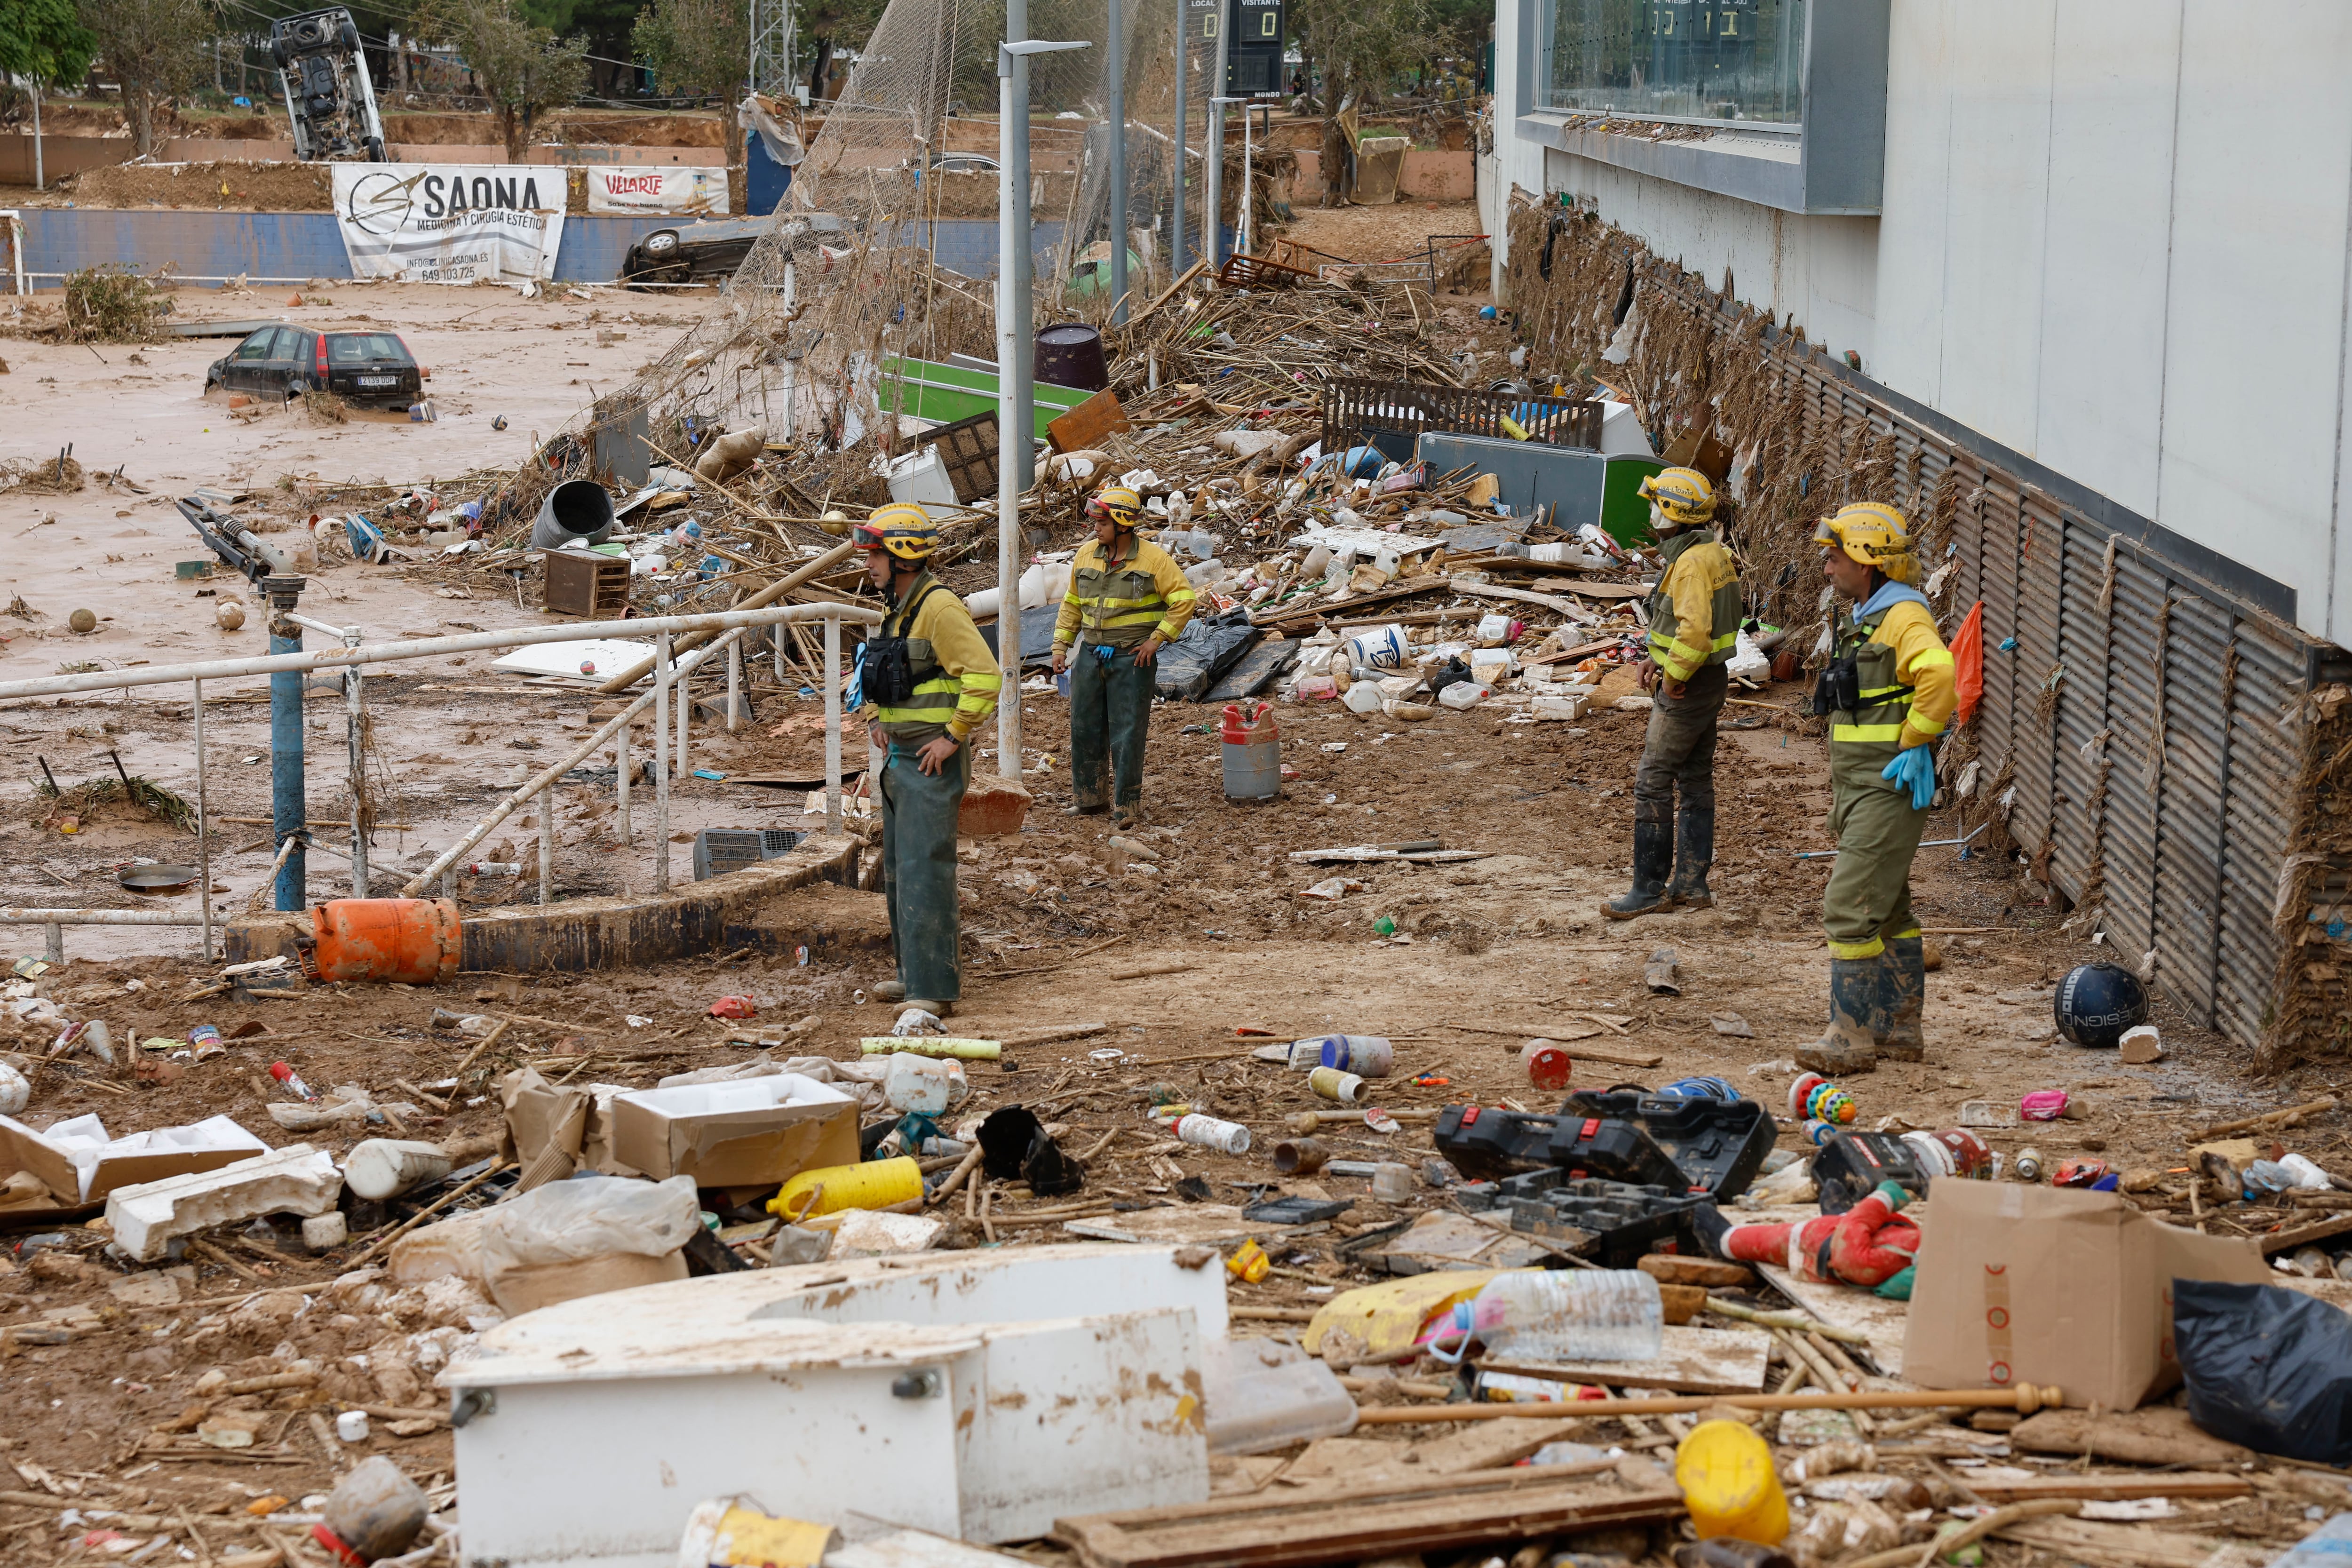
x=1225, y=1137
x=351, y=1426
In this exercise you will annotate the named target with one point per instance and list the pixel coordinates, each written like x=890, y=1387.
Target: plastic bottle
x=2028, y=1164
x=1225, y=1137
x=1339, y=1087
x=1367, y=1055
x=1600, y=1314
x=872, y=1184
x=1726, y=1474
x=292, y=1080
x=2309, y=1177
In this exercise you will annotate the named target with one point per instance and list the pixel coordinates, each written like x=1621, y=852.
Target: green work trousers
x=918, y=871
x=1111, y=717
x=1869, y=897
x=1679, y=747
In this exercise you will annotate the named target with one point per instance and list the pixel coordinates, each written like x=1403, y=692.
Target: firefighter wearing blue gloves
x=1887, y=693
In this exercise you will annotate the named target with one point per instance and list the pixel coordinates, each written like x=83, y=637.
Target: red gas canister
x=413, y=940
x=1253, y=752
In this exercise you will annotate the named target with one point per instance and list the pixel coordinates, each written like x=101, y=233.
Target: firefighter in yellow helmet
x=1126, y=600
x=928, y=681
x=1694, y=628
x=1887, y=693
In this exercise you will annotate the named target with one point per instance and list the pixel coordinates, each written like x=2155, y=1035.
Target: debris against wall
x=2174, y=762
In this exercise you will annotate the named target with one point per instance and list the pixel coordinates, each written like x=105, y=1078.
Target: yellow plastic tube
x=1726, y=1474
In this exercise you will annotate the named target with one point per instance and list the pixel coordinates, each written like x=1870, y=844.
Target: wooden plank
x=1192, y=1225
x=2303, y=1235
x=1283, y=1528
x=2109, y=1487
x=1088, y=424
x=1846, y=1308
x=1689, y=1360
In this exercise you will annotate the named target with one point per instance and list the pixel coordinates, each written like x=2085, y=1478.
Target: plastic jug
x=1726, y=1474
x=1600, y=1314
x=922, y=1085
x=1253, y=752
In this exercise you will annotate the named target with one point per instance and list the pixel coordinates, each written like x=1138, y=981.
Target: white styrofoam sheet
x=609, y=657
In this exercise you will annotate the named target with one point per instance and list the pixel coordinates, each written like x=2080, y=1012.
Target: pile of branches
x=114, y=303
x=58, y=476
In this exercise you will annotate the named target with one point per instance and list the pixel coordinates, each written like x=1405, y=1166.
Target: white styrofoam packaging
x=974, y=1397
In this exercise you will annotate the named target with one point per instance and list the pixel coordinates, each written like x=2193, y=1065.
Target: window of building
x=1677, y=60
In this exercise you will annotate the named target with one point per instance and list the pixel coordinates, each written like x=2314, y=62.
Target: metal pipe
x=1212, y=222
x=735, y=687
x=662, y=675
x=203, y=830
x=546, y=845
x=355, y=704
x=341, y=633
x=424, y=647
x=1115, y=70
x=1015, y=419
x=288, y=810
x=622, y=769
x=1924, y=844
x=833, y=723
x=764, y=598
x=682, y=703
x=53, y=943
x=35, y=916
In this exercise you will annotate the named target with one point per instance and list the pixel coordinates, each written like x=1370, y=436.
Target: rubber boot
x=936, y=1009
x=1129, y=817
x=1904, y=972
x=1654, y=860
x=1857, y=1020
x=1693, y=853
x=1084, y=810
x=889, y=990
x=1711, y=1226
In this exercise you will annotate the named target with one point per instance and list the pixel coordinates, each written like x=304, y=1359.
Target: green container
x=1624, y=512
x=944, y=394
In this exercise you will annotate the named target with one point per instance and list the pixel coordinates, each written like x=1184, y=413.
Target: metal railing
x=353, y=654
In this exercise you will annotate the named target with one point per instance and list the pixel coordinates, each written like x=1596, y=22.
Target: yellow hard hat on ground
x=1121, y=505
x=1874, y=533
x=1683, y=496
x=902, y=528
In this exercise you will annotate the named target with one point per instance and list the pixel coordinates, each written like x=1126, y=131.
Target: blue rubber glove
x=1914, y=770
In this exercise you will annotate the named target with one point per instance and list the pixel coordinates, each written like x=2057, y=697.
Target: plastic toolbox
x=1486, y=1143
x=1614, y=1224
x=1718, y=1146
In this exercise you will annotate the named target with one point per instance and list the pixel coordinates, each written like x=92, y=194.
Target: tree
x=524, y=71
x=155, y=48
x=43, y=40
x=701, y=47
x=1360, y=45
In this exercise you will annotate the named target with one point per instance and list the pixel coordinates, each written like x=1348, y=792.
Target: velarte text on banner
x=436, y=223
x=664, y=189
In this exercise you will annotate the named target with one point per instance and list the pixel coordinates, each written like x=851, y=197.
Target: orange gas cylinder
x=414, y=941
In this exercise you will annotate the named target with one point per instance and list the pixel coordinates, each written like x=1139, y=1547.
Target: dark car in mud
x=368, y=368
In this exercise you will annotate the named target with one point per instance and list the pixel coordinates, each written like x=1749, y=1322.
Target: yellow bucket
x=1726, y=1474
x=875, y=1185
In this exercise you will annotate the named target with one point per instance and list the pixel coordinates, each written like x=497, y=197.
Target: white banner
x=445, y=223
x=666, y=189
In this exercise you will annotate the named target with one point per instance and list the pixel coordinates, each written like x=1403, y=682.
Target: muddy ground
x=1185, y=961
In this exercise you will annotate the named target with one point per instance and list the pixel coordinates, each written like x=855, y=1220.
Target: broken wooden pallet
x=2109, y=1487
x=1442, y=1512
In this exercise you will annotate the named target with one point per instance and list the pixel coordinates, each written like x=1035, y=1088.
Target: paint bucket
x=1367, y=1055
x=1070, y=354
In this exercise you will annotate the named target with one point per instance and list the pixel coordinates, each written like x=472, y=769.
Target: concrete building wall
x=2115, y=235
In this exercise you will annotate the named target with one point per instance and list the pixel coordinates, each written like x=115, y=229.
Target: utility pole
x=1213, y=221
x=1016, y=372
x=1176, y=237
x=1115, y=69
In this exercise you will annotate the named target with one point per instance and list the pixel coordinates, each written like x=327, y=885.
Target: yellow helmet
x=1874, y=533
x=1683, y=496
x=902, y=528
x=1121, y=505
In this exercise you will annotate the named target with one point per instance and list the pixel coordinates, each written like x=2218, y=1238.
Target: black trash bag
x=1186, y=668
x=2266, y=1367
x=1014, y=1147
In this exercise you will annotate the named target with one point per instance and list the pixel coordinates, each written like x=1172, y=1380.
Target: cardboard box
x=520, y=1291
x=2046, y=1285
x=79, y=1163
x=754, y=1130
